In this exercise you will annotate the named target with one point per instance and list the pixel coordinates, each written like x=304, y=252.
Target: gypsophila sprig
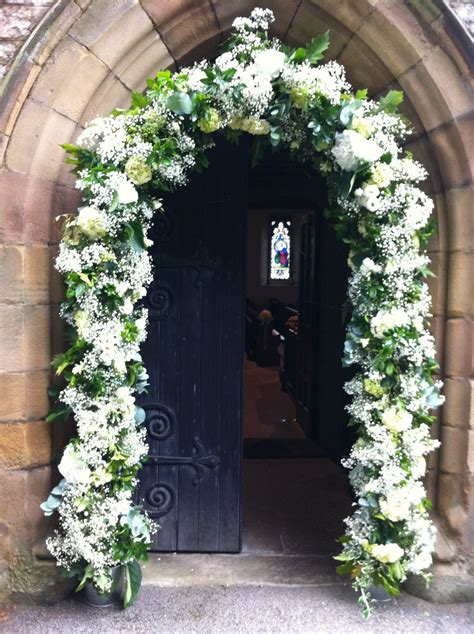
x=282, y=97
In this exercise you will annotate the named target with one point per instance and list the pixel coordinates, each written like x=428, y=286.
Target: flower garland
x=282, y=97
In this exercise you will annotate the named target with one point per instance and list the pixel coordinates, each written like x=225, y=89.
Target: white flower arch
x=283, y=97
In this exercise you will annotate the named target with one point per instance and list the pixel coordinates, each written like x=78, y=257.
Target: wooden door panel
x=193, y=352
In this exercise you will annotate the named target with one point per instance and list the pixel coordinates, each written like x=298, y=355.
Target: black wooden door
x=191, y=482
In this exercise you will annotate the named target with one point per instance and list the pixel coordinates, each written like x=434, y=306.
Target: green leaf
x=316, y=48
x=180, y=103
x=139, y=100
x=391, y=101
x=59, y=415
x=133, y=580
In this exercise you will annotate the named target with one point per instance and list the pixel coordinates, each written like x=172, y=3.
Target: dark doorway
x=198, y=339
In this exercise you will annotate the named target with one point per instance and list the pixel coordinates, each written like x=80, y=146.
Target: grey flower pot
x=95, y=599
x=379, y=594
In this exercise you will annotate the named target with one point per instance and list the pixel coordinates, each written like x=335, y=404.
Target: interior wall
x=256, y=288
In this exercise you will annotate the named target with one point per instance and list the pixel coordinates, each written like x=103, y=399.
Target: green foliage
x=133, y=580
x=390, y=102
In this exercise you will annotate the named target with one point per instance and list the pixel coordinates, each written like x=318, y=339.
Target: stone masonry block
x=453, y=145
x=34, y=147
x=460, y=203
x=395, y=35
x=109, y=95
x=437, y=285
x=23, y=395
x=184, y=27
x=24, y=274
x=308, y=19
x=364, y=69
x=26, y=444
x=69, y=79
x=25, y=208
x=143, y=61
x=458, y=349
x=461, y=274
x=453, y=453
x=21, y=493
x=12, y=343
x=37, y=345
x=437, y=89
x=458, y=402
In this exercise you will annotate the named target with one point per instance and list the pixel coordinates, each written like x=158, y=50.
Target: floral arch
x=279, y=96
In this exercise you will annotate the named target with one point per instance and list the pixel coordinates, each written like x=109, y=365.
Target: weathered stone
x=101, y=22
x=460, y=204
x=109, y=95
x=23, y=395
x=11, y=338
x=453, y=452
x=69, y=79
x=21, y=493
x=451, y=500
x=460, y=298
x=36, y=274
x=26, y=444
x=423, y=152
x=437, y=285
x=364, y=69
x=439, y=239
x=37, y=349
x=20, y=87
x=143, y=61
x=34, y=147
x=470, y=452
x=458, y=402
x=303, y=27
x=437, y=89
x=450, y=584
x=16, y=22
x=395, y=35
x=25, y=208
x=12, y=274
x=186, y=27
x=453, y=143
x=458, y=350
x=437, y=326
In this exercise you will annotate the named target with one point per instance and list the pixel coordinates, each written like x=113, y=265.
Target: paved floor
x=246, y=609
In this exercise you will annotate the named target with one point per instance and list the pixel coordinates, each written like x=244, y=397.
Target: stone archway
x=72, y=69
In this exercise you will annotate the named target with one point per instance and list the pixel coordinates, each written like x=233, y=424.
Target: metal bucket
x=379, y=594
x=96, y=599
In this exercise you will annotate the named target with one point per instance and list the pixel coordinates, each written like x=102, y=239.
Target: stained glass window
x=280, y=249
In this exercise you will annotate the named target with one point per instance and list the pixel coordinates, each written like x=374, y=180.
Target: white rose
x=351, y=148
x=127, y=193
x=387, y=553
x=91, y=222
x=396, y=506
x=387, y=319
x=396, y=420
x=269, y=62
x=368, y=196
x=73, y=468
x=369, y=266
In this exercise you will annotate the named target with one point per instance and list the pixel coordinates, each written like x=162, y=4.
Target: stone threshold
x=184, y=570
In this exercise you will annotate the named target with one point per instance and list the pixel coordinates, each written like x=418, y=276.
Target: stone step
x=184, y=570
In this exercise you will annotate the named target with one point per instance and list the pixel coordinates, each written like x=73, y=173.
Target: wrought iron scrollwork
x=201, y=460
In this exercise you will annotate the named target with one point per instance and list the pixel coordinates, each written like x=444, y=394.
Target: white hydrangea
x=387, y=553
x=351, y=149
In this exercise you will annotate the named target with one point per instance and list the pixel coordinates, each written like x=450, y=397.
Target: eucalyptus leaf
x=180, y=103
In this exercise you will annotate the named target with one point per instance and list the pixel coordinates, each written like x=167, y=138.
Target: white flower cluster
x=261, y=90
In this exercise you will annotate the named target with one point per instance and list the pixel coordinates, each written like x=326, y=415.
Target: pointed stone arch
x=72, y=69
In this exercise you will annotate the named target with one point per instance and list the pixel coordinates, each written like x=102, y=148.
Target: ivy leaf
x=316, y=48
x=391, y=101
x=133, y=580
x=180, y=103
